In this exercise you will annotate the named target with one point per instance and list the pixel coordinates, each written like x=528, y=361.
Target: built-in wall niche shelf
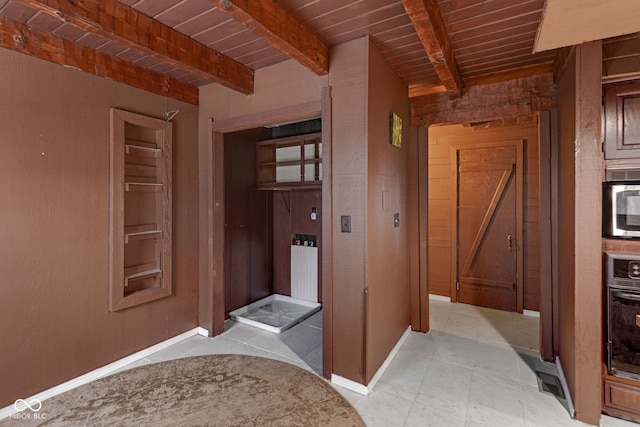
x=143, y=186
x=140, y=220
x=294, y=162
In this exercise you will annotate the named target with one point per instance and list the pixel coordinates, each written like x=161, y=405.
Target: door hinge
x=457, y=286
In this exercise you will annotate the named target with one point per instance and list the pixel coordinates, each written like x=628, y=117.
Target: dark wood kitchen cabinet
x=622, y=120
x=621, y=396
x=140, y=218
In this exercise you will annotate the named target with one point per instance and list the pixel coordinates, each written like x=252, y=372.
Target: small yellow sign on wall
x=395, y=125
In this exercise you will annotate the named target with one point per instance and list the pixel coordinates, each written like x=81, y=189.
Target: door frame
x=212, y=300
x=519, y=177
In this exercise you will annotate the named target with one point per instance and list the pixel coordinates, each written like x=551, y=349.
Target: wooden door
x=248, y=232
x=488, y=226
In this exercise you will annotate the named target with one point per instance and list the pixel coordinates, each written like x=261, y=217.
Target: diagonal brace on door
x=495, y=201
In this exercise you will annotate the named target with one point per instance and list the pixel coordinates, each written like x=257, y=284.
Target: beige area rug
x=217, y=390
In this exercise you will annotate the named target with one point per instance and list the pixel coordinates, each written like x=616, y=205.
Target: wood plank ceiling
x=174, y=46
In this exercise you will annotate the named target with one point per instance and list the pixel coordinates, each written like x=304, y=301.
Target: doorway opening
x=484, y=219
x=273, y=225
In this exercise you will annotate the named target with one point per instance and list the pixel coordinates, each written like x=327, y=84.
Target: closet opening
x=273, y=224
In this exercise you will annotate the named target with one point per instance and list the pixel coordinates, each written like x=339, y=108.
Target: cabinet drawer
x=623, y=397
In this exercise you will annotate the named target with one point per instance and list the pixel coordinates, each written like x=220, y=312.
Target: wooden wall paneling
x=439, y=217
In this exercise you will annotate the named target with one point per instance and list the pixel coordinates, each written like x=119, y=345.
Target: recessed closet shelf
x=153, y=234
x=143, y=186
x=141, y=274
x=143, y=151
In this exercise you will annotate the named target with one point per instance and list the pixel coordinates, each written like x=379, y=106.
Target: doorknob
x=510, y=241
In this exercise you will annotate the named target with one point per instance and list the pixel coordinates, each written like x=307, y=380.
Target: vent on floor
x=550, y=384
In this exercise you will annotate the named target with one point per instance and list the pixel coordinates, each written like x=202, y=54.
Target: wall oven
x=623, y=314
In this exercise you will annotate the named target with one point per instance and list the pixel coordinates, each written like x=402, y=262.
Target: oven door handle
x=627, y=295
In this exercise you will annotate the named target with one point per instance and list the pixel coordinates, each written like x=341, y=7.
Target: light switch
x=345, y=223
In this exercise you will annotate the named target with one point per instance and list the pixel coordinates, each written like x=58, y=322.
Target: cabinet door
x=622, y=112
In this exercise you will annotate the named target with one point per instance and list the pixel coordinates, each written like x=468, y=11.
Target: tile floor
x=475, y=368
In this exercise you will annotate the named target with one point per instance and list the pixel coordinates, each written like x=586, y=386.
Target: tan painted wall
x=387, y=257
x=54, y=205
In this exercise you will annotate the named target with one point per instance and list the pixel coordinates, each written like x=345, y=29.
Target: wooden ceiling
x=174, y=46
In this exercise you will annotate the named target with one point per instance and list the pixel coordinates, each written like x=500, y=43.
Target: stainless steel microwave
x=621, y=209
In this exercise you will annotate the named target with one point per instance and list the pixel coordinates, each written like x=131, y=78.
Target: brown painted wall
x=441, y=198
x=371, y=267
x=580, y=259
x=349, y=164
x=588, y=225
x=387, y=258
x=54, y=205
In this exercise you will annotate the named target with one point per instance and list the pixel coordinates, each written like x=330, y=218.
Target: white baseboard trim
x=102, y=371
x=202, y=331
x=565, y=388
x=349, y=384
x=531, y=313
x=439, y=298
x=366, y=389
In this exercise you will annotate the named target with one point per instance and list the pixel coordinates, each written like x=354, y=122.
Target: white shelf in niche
x=149, y=187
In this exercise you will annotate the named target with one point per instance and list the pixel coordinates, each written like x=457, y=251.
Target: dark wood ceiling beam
x=44, y=45
x=420, y=89
x=489, y=101
x=122, y=24
x=429, y=25
x=270, y=21
x=511, y=74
